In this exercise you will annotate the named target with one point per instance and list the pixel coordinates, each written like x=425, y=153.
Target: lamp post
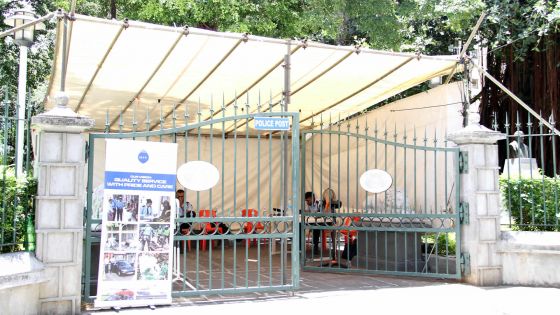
x=24, y=39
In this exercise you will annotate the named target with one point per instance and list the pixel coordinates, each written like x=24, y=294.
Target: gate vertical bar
x=87, y=261
x=295, y=192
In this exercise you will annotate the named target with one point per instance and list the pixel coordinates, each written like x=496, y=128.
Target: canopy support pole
x=386, y=74
x=100, y=65
x=517, y=99
x=26, y=25
x=315, y=78
x=285, y=162
x=254, y=83
x=467, y=44
x=156, y=70
x=226, y=56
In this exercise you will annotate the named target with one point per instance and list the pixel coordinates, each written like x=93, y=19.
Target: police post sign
x=272, y=123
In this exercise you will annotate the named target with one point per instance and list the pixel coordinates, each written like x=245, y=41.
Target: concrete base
x=21, y=275
x=530, y=258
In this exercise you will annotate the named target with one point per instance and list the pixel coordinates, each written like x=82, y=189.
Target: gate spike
x=495, y=123
x=506, y=125
x=247, y=103
x=198, y=113
x=385, y=131
x=212, y=105
x=518, y=123
x=134, y=122
x=160, y=114
x=121, y=123
x=259, y=104
x=107, y=125
x=270, y=101
x=235, y=102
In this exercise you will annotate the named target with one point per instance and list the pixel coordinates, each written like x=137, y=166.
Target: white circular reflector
x=376, y=181
x=198, y=175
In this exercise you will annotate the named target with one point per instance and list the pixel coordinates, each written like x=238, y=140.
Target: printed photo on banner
x=154, y=292
x=154, y=237
x=153, y=266
x=119, y=266
x=118, y=292
x=155, y=208
x=121, y=237
x=122, y=208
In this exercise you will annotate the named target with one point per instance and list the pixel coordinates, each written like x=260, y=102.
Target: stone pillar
x=479, y=188
x=59, y=164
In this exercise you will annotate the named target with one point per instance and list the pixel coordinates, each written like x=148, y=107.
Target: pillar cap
x=476, y=134
x=61, y=118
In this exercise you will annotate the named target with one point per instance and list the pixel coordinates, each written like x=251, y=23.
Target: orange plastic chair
x=186, y=232
x=209, y=228
x=349, y=235
x=251, y=227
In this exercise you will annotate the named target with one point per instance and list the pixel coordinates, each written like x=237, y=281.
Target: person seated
x=184, y=210
x=312, y=206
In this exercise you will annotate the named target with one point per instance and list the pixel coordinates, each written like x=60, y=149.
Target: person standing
x=119, y=206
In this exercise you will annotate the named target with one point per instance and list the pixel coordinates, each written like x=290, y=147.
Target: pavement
x=366, y=294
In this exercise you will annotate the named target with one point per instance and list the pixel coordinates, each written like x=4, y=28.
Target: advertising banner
x=137, y=227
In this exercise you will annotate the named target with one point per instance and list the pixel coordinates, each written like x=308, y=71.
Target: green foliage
x=446, y=243
x=16, y=209
x=532, y=202
x=521, y=24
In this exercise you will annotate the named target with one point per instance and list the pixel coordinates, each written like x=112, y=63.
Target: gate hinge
x=465, y=264
x=463, y=162
x=86, y=153
x=464, y=212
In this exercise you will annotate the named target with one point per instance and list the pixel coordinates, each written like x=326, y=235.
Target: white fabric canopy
x=142, y=70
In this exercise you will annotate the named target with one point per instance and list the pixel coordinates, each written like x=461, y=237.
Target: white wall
x=530, y=258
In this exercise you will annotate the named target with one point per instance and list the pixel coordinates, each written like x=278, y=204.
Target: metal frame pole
x=20, y=131
x=285, y=159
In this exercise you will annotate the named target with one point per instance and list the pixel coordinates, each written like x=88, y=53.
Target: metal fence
x=529, y=180
x=413, y=228
x=240, y=239
x=16, y=192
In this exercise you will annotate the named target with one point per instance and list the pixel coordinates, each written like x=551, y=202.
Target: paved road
x=451, y=298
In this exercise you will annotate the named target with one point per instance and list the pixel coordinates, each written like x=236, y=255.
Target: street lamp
x=24, y=39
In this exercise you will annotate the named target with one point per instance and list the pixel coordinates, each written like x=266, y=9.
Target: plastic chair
x=349, y=235
x=185, y=231
x=209, y=227
x=251, y=227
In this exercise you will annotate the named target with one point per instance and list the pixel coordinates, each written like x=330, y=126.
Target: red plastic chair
x=185, y=232
x=349, y=235
x=251, y=227
x=209, y=227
